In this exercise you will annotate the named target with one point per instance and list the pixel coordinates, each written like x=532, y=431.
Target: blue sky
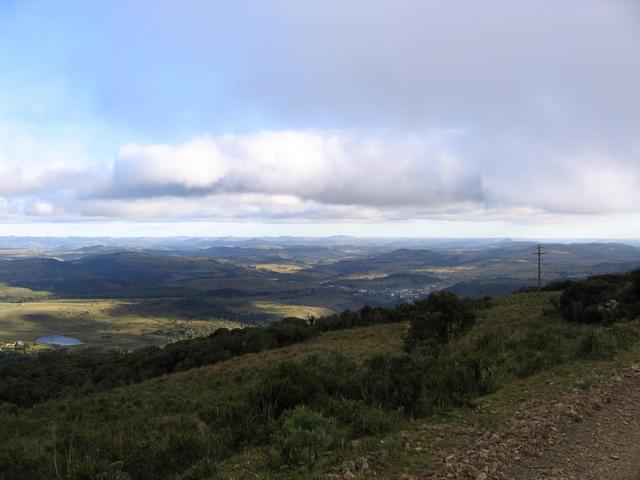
x=419, y=117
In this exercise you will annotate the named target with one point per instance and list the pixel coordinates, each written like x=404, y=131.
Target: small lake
x=58, y=340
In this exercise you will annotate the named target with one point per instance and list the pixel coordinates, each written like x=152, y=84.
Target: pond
x=58, y=340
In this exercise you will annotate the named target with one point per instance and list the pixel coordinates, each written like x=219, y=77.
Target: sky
x=370, y=117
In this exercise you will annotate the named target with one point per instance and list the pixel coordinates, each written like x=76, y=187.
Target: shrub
x=441, y=317
x=232, y=421
x=361, y=418
x=17, y=463
x=597, y=344
x=624, y=335
x=203, y=469
x=453, y=381
x=590, y=301
x=284, y=387
x=338, y=376
x=304, y=434
x=610, y=312
x=393, y=382
x=114, y=472
x=557, y=285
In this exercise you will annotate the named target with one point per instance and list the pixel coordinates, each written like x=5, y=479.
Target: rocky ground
x=589, y=432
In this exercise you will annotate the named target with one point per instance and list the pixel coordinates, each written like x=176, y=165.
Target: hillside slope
x=484, y=399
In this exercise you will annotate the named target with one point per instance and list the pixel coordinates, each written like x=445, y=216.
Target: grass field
x=26, y=315
x=95, y=323
x=365, y=276
x=280, y=267
x=17, y=294
x=290, y=310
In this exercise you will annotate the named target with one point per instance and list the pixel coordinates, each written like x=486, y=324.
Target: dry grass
x=289, y=310
x=445, y=270
x=280, y=267
x=365, y=276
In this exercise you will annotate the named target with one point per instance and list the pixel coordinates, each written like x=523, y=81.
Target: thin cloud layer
x=335, y=174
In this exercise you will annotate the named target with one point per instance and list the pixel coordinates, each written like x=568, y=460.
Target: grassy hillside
x=302, y=410
x=133, y=419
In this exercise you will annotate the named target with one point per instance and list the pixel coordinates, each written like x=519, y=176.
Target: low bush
x=284, y=387
x=303, y=435
x=598, y=344
x=441, y=317
x=361, y=418
x=203, y=469
x=603, y=299
x=393, y=382
x=454, y=381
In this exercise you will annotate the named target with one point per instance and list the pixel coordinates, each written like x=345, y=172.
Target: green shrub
x=360, y=418
x=113, y=472
x=393, y=382
x=453, y=381
x=597, y=344
x=441, y=317
x=203, y=469
x=604, y=299
x=233, y=422
x=541, y=347
x=285, y=386
x=624, y=335
x=16, y=463
x=304, y=434
x=557, y=285
x=339, y=377
x=372, y=421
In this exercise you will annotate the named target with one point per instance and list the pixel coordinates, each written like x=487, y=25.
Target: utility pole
x=539, y=254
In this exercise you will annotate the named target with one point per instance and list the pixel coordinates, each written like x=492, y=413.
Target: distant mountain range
x=273, y=267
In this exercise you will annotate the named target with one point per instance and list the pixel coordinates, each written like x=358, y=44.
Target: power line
x=539, y=253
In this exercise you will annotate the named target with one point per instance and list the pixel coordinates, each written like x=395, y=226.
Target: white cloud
x=339, y=167
x=18, y=180
x=196, y=165
x=43, y=208
x=324, y=175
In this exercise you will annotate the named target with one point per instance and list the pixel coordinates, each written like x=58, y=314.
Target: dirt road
x=588, y=433
x=604, y=444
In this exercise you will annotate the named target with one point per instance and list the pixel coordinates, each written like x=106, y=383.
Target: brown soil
x=589, y=433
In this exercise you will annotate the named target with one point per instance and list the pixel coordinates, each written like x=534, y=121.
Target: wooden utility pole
x=539, y=254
